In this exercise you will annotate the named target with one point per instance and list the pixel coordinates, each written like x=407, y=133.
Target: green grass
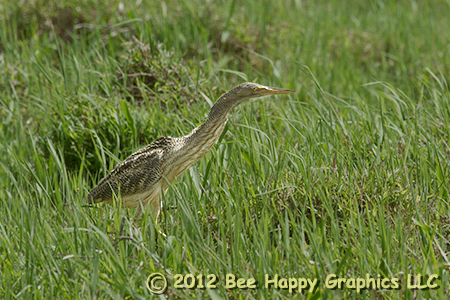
x=349, y=176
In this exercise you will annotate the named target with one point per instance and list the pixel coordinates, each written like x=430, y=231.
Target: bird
x=143, y=177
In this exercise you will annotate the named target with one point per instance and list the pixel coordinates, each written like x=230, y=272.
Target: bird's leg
x=122, y=224
x=138, y=213
x=155, y=207
x=119, y=236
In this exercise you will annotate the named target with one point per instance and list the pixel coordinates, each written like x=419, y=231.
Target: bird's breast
x=148, y=196
x=191, y=150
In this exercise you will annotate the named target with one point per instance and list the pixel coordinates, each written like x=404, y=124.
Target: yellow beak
x=266, y=91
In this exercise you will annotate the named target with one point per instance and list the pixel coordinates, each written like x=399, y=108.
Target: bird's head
x=241, y=93
x=248, y=90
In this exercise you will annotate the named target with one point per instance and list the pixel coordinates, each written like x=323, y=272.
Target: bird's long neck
x=208, y=133
x=197, y=143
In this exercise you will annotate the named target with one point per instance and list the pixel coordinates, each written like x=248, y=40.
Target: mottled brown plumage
x=142, y=176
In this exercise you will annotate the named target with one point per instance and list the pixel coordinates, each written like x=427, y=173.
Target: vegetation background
x=350, y=176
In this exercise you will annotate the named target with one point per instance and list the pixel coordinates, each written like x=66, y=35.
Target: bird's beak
x=266, y=91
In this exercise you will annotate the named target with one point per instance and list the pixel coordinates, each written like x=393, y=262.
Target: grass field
x=349, y=176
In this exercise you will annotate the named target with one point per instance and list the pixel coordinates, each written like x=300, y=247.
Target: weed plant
x=350, y=176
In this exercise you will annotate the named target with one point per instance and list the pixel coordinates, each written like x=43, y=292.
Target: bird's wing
x=135, y=174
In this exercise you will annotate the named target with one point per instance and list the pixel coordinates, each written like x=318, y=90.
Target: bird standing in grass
x=141, y=177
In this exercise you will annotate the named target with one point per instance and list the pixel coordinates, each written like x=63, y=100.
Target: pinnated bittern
x=142, y=176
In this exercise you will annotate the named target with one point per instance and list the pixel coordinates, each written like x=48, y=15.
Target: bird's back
x=135, y=175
